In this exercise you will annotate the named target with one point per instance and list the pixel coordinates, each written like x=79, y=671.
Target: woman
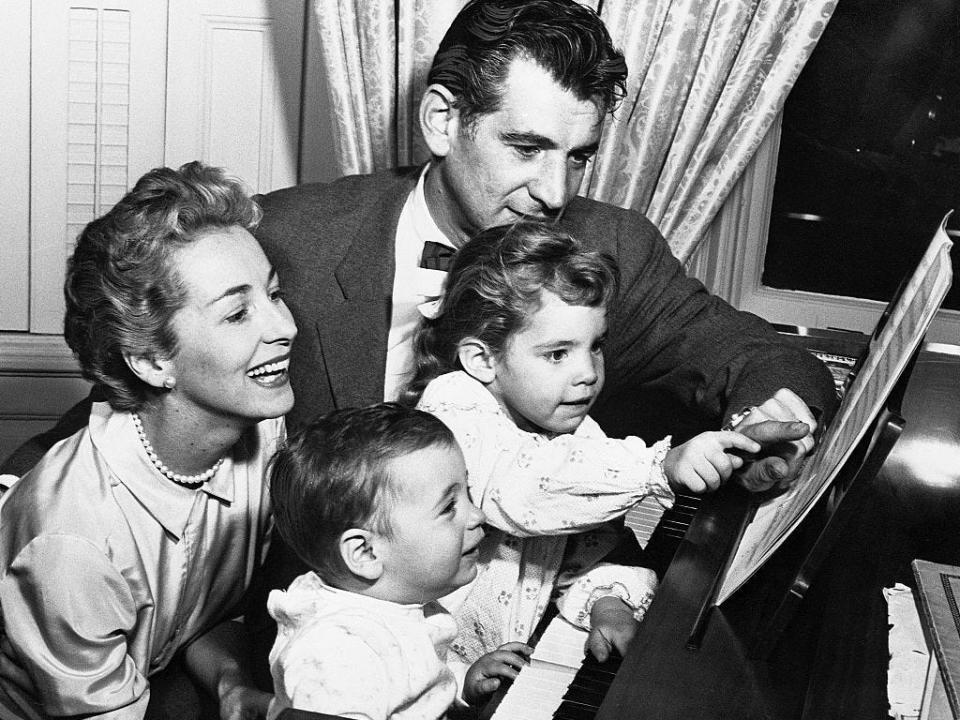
x=131, y=544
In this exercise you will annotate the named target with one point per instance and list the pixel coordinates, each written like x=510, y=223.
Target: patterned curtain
x=376, y=55
x=707, y=78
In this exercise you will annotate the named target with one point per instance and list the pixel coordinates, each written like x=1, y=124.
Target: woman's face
x=234, y=331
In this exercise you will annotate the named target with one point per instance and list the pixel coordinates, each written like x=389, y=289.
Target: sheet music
x=887, y=357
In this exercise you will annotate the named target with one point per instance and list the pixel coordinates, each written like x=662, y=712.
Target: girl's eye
x=450, y=507
x=598, y=347
x=276, y=294
x=556, y=355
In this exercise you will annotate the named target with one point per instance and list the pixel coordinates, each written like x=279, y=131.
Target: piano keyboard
x=643, y=519
x=539, y=688
x=561, y=682
x=557, y=669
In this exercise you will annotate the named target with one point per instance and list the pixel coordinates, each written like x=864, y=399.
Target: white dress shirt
x=412, y=286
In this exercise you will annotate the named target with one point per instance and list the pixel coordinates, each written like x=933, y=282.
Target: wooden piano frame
x=694, y=659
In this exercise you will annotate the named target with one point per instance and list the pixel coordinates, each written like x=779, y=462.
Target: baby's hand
x=611, y=627
x=701, y=463
x=483, y=677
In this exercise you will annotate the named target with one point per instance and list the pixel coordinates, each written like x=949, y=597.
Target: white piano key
x=540, y=686
x=643, y=518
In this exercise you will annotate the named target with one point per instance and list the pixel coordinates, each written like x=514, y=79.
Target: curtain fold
x=707, y=78
x=376, y=56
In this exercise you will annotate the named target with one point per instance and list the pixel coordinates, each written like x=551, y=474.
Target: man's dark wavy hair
x=567, y=39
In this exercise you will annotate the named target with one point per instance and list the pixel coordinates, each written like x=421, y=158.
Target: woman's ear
x=358, y=550
x=154, y=371
x=477, y=359
x=438, y=119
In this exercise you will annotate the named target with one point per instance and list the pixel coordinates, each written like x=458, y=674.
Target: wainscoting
x=39, y=381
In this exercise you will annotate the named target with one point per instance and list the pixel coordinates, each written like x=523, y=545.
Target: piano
x=789, y=644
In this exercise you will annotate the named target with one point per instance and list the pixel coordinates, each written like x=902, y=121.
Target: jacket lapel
x=353, y=333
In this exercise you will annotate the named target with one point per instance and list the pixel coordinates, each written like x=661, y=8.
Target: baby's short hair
x=333, y=475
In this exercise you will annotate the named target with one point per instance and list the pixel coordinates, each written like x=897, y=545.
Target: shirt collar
x=422, y=222
x=371, y=604
x=115, y=437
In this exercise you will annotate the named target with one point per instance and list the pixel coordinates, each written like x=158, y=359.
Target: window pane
x=870, y=151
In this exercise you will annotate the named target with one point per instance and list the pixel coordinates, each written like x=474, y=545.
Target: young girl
x=512, y=362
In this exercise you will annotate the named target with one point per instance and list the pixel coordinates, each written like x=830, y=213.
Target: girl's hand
x=703, y=463
x=483, y=677
x=612, y=627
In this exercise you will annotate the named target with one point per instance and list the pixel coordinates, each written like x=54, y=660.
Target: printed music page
x=887, y=356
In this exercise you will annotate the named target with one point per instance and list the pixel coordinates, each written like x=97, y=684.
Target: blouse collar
x=115, y=437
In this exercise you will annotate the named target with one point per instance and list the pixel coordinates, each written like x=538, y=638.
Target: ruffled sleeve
x=635, y=586
x=528, y=484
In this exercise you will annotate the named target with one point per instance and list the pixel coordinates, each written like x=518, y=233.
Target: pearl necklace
x=197, y=479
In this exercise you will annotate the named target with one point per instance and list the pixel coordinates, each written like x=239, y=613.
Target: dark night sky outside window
x=870, y=151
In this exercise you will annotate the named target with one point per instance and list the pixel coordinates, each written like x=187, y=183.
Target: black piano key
x=592, y=697
x=594, y=676
x=573, y=711
x=589, y=687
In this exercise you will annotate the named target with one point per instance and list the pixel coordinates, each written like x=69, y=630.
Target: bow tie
x=437, y=256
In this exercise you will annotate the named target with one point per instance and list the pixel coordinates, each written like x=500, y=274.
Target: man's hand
x=483, y=677
x=784, y=427
x=611, y=627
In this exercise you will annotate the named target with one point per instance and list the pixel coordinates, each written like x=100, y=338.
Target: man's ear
x=358, y=549
x=439, y=120
x=153, y=371
x=477, y=359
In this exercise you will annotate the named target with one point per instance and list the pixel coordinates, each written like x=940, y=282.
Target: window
x=827, y=219
x=869, y=157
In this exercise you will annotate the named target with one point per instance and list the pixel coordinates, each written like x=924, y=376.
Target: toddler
x=512, y=361
x=374, y=500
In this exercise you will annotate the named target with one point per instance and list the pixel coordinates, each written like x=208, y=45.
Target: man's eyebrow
x=241, y=289
x=528, y=138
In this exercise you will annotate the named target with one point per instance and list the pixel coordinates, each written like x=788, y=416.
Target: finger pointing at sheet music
x=785, y=427
x=705, y=462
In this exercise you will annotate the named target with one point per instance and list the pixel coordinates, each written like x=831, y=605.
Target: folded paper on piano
x=938, y=602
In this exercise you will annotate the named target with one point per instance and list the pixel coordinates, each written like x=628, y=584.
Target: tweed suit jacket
x=677, y=358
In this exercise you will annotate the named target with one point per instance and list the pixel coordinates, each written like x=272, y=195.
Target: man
x=512, y=115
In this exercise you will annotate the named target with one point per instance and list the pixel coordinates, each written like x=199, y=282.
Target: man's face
x=524, y=160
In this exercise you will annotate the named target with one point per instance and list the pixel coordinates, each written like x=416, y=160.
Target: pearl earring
x=169, y=383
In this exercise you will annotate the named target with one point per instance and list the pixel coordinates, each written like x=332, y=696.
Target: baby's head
x=374, y=500
x=524, y=312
